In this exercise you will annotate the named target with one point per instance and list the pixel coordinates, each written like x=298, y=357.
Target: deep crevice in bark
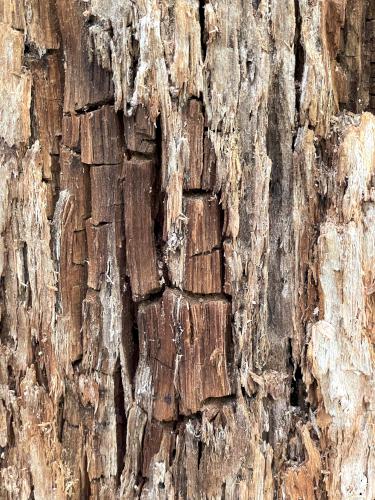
x=121, y=419
x=299, y=53
x=202, y=4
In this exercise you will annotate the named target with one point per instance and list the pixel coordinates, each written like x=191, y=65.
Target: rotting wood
x=187, y=245
x=139, y=227
x=101, y=137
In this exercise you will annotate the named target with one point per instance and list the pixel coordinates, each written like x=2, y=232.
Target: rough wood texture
x=187, y=249
x=140, y=133
x=184, y=342
x=139, y=227
x=105, y=192
x=100, y=137
x=203, y=263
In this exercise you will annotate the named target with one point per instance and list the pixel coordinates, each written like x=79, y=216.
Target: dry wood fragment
x=86, y=83
x=71, y=132
x=185, y=341
x=101, y=137
x=75, y=178
x=203, y=260
x=105, y=192
x=139, y=176
x=140, y=132
x=97, y=245
x=187, y=235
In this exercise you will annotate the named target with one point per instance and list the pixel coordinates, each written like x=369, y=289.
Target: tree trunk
x=187, y=249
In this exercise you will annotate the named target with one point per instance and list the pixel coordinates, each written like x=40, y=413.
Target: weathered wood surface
x=187, y=249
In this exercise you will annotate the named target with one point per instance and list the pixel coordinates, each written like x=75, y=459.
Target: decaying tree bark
x=187, y=249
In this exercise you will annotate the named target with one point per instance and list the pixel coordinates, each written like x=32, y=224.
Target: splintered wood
x=187, y=249
x=140, y=133
x=86, y=82
x=185, y=342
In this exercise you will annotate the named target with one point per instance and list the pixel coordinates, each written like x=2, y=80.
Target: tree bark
x=187, y=249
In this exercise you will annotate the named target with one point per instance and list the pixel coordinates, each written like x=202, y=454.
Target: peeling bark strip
x=187, y=249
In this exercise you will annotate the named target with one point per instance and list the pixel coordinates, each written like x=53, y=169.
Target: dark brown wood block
x=79, y=255
x=203, y=256
x=86, y=83
x=158, y=347
x=97, y=248
x=104, y=192
x=203, y=273
x=203, y=366
x=101, y=137
x=72, y=282
x=48, y=107
x=203, y=227
x=140, y=133
x=71, y=131
x=75, y=178
x=185, y=341
x=139, y=227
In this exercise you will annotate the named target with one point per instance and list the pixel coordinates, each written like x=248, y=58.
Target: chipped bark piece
x=71, y=284
x=53, y=186
x=71, y=131
x=86, y=83
x=139, y=227
x=203, y=365
x=203, y=259
x=42, y=24
x=203, y=227
x=298, y=212
x=78, y=292
x=48, y=106
x=199, y=331
x=203, y=273
x=97, y=249
x=194, y=131
x=79, y=255
x=74, y=459
x=158, y=350
x=3, y=426
x=74, y=177
x=140, y=132
x=104, y=192
x=101, y=137
x=50, y=194
x=194, y=127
